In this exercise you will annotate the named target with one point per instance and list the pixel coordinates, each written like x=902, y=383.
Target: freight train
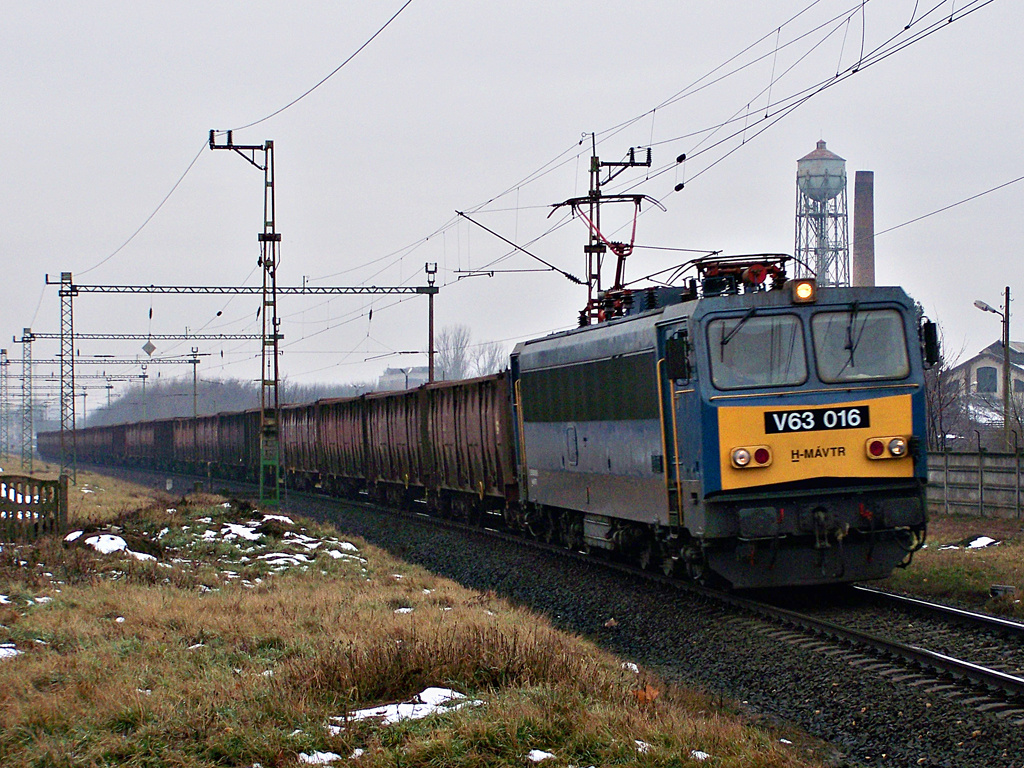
x=746, y=430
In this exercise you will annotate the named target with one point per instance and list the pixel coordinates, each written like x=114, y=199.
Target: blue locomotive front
x=769, y=437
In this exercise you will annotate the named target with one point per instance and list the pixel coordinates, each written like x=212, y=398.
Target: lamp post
x=1005, y=315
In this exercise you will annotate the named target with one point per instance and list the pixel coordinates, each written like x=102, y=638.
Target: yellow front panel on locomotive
x=813, y=441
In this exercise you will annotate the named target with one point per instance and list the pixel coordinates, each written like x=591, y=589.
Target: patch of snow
x=106, y=543
x=140, y=555
x=348, y=546
x=8, y=651
x=73, y=536
x=630, y=666
x=642, y=747
x=982, y=541
x=306, y=541
x=428, y=702
x=232, y=530
x=5, y=600
x=88, y=490
x=536, y=755
x=356, y=754
x=977, y=543
x=226, y=505
x=785, y=741
x=318, y=758
x=282, y=518
x=699, y=756
x=284, y=558
x=119, y=619
x=403, y=610
x=171, y=510
x=196, y=647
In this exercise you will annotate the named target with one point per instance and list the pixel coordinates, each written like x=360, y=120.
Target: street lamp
x=1005, y=315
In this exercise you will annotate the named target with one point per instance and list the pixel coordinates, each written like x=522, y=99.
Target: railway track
x=990, y=679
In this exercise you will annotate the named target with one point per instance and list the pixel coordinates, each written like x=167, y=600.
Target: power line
x=335, y=71
x=951, y=205
x=148, y=218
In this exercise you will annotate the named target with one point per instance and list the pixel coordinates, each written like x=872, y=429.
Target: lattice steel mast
x=68, y=439
x=5, y=410
x=26, y=399
x=270, y=404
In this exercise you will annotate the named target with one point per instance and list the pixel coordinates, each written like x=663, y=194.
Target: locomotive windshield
x=860, y=345
x=757, y=351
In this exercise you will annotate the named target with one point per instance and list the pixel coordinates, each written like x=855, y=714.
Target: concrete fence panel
x=981, y=483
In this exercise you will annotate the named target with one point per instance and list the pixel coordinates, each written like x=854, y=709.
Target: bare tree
x=946, y=398
x=491, y=357
x=452, y=352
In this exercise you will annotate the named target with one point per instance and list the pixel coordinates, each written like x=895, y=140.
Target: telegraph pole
x=1006, y=371
x=431, y=274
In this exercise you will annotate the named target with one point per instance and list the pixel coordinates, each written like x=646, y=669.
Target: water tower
x=822, y=237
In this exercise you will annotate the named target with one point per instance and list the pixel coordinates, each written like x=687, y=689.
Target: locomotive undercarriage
x=819, y=537
x=816, y=537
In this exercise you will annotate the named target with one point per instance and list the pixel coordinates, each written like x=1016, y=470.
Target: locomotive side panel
x=592, y=425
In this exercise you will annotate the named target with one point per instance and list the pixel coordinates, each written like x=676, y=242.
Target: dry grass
x=966, y=575
x=211, y=655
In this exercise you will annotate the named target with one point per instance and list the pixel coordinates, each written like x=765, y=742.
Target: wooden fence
x=982, y=483
x=30, y=507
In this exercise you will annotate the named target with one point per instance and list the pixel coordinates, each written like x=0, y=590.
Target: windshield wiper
x=851, y=343
x=735, y=329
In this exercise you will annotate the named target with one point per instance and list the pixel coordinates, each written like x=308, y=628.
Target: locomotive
x=745, y=430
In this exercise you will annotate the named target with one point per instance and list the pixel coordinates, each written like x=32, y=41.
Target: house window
x=986, y=379
x=1018, y=385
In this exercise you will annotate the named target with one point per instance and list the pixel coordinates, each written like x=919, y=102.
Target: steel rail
x=957, y=669
x=981, y=620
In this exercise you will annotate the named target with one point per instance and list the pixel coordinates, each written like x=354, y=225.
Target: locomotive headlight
x=804, y=291
x=740, y=457
x=751, y=456
x=886, y=447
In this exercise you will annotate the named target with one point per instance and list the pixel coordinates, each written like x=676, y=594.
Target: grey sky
x=105, y=104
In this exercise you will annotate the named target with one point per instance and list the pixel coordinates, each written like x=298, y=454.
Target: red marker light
x=761, y=455
x=876, y=448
